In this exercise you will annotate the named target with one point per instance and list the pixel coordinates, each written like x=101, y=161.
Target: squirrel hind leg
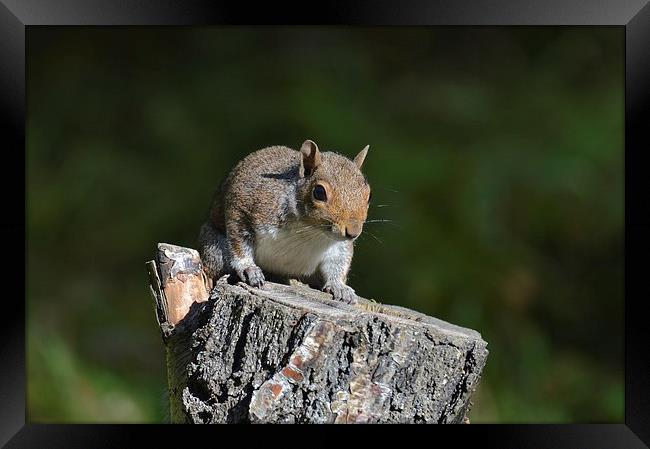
x=213, y=249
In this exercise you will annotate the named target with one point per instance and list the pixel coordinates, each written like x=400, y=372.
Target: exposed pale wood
x=292, y=354
x=181, y=278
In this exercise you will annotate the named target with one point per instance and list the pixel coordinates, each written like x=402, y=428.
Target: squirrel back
x=261, y=186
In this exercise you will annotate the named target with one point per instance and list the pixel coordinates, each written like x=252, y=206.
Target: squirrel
x=290, y=214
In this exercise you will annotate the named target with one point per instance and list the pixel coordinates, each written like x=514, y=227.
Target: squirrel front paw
x=252, y=275
x=341, y=292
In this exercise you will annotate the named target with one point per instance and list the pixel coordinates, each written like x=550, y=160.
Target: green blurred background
x=497, y=154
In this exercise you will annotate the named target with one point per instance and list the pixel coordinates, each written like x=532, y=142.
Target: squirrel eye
x=319, y=193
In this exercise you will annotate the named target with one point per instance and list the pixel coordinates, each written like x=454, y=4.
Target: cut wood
x=289, y=353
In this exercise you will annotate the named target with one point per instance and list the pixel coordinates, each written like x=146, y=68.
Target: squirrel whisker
x=373, y=236
x=305, y=228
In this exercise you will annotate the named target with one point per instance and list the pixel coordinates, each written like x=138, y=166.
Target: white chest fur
x=294, y=250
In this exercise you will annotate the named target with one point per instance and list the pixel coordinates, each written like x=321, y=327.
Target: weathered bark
x=293, y=354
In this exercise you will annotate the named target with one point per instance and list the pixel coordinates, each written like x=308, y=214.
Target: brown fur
x=273, y=188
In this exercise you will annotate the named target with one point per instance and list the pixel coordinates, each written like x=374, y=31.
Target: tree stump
x=289, y=353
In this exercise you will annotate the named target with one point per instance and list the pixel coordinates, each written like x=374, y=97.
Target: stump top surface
x=300, y=296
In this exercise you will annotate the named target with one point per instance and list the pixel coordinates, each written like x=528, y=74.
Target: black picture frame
x=17, y=16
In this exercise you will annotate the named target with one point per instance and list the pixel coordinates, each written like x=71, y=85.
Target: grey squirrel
x=290, y=214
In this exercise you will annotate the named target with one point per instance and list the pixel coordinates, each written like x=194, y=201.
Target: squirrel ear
x=309, y=158
x=361, y=156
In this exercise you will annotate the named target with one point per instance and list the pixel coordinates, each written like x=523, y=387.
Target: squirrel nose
x=352, y=232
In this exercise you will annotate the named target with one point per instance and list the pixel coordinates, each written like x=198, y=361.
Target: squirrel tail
x=213, y=248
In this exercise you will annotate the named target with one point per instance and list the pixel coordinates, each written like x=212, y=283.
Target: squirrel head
x=334, y=192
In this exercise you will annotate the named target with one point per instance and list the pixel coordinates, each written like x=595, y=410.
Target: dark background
x=496, y=154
